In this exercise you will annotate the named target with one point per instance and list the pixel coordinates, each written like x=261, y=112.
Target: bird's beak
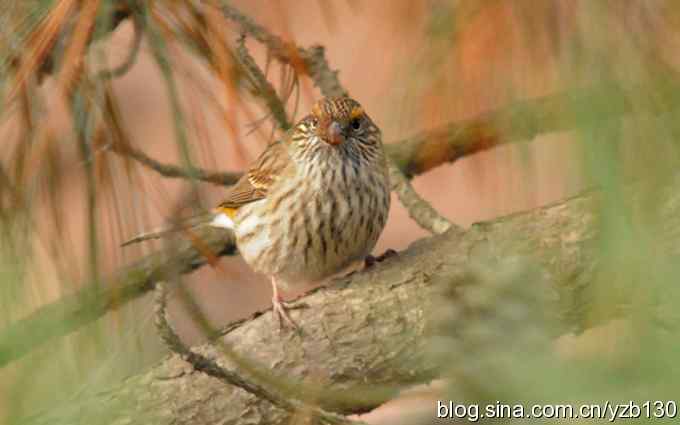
x=335, y=133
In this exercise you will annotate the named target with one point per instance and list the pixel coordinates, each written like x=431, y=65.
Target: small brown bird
x=314, y=202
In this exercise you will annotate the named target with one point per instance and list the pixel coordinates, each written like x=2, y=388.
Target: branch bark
x=370, y=328
x=419, y=210
x=523, y=121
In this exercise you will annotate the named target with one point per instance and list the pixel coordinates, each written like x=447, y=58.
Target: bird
x=313, y=202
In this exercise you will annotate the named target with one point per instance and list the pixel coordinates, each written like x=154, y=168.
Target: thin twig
x=189, y=224
x=73, y=63
x=176, y=171
x=124, y=147
x=83, y=124
x=159, y=50
x=419, y=209
x=262, y=86
x=38, y=48
x=211, y=367
x=132, y=56
x=310, y=61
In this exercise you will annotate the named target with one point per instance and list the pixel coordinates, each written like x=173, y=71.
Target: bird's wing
x=254, y=185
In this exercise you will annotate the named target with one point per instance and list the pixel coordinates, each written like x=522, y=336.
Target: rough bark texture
x=367, y=329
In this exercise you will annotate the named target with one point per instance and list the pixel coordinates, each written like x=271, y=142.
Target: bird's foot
x=371, y=260
x=281, y=308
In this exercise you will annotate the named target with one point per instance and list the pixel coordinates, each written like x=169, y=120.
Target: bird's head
x=337, y=122
x=338, y=119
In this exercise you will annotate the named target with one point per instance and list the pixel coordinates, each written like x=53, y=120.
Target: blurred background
x=414, y=65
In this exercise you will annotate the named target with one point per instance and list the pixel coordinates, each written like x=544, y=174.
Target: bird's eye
x=355, y=123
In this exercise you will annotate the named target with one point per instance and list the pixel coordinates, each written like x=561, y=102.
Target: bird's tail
x=199, y=220
x=219, y=217
x=223, y=217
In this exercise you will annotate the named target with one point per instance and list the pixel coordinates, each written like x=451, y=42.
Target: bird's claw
x=280, y=309
x=371, y=260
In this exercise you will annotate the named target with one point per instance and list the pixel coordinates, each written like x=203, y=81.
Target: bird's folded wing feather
x=254, y=185
x=251, y=187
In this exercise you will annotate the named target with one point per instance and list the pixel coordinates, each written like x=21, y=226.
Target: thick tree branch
x=523, y=121
x=240, y=379
x=370, y=328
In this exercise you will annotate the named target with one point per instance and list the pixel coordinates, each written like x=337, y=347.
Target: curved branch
x=419, y=210
x=310, y=61
x=210, y=366
x=175, y=171
x=133, y=53
x=262, y=87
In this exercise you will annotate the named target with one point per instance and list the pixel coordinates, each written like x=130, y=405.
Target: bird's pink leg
x=280, y=308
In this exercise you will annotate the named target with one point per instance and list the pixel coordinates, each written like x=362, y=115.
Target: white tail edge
x=222, y=220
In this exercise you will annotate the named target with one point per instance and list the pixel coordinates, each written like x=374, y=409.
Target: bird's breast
x=314, y=224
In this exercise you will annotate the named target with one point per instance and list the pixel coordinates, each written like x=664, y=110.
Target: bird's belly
x=303, y=242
